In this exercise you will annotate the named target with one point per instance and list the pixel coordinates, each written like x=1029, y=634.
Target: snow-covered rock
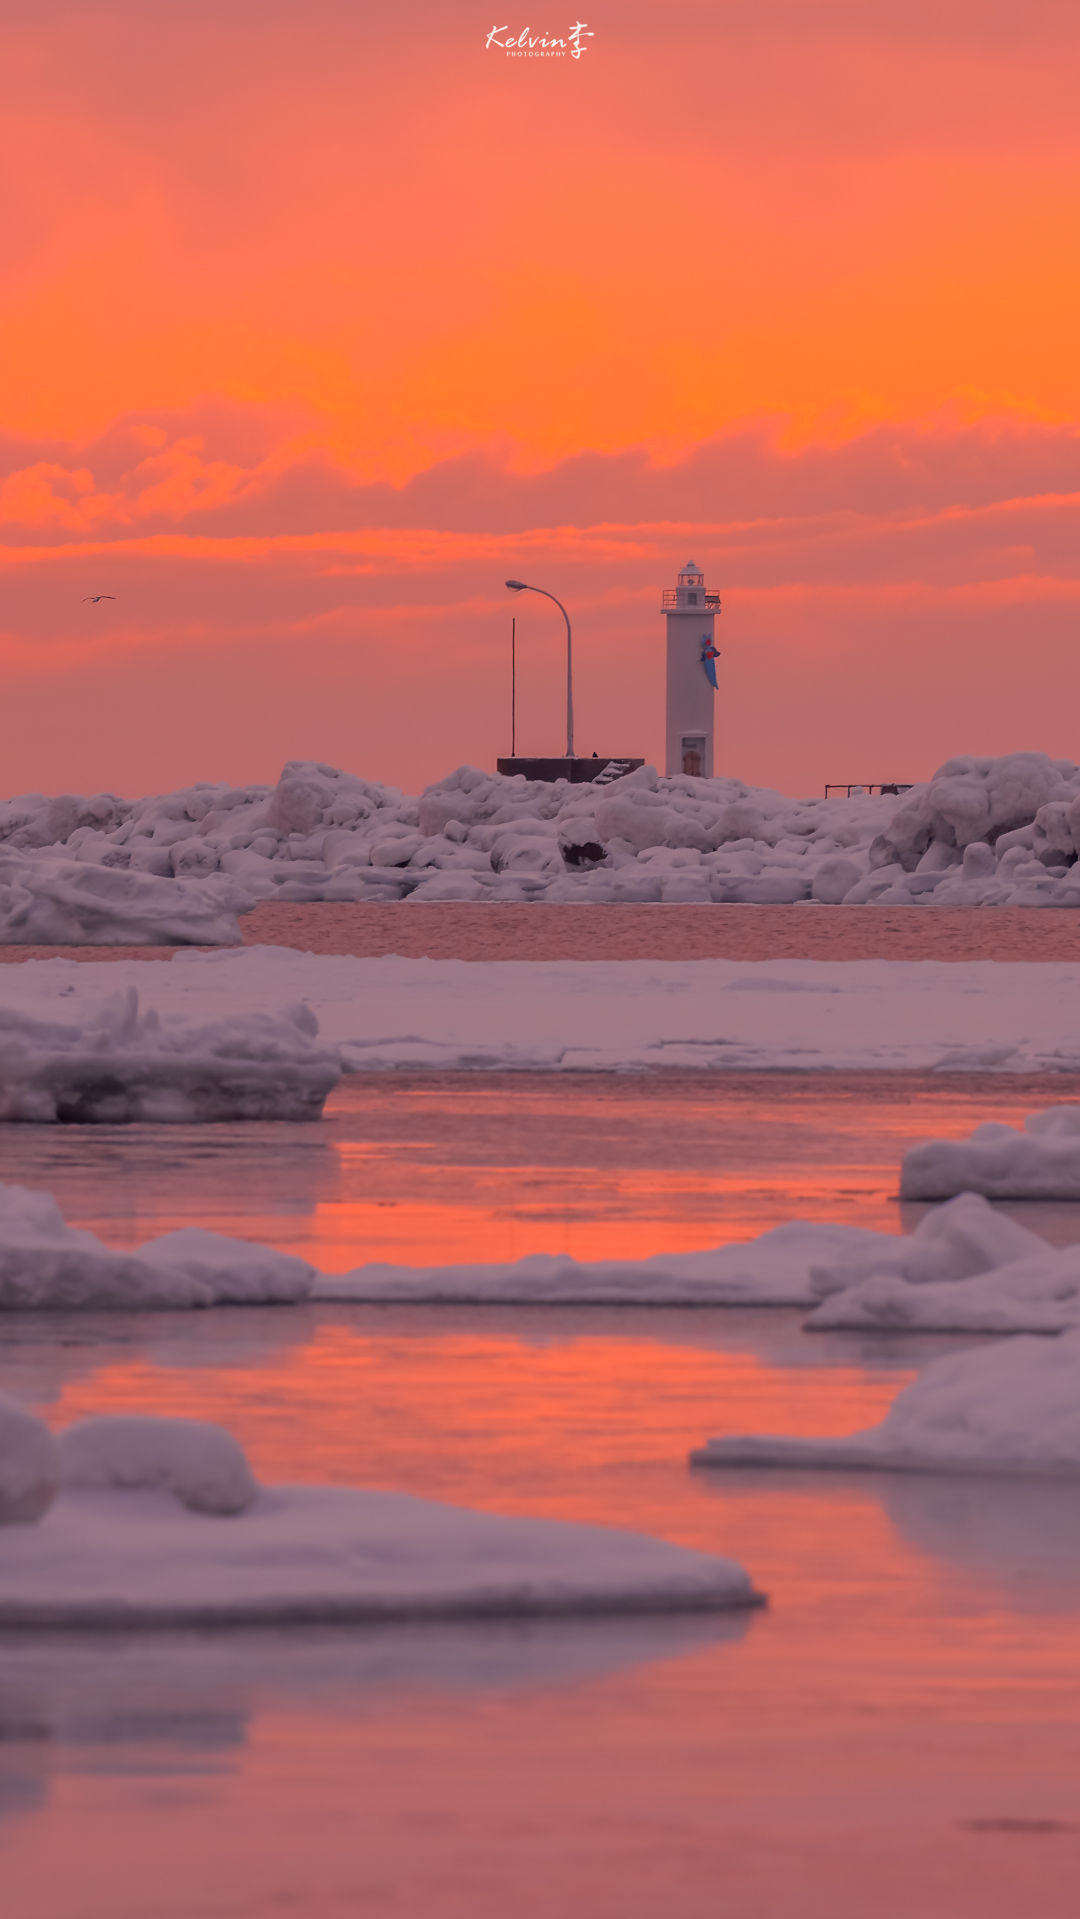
x=202, y=1466
x=30, y=1468
x=1039, y=1161
x=1013, y=1407
x=45, y=1264
x=119, y=1063
x=50, y=901
x=982, y=832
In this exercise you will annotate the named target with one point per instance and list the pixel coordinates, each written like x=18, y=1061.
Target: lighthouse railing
x=670, y=600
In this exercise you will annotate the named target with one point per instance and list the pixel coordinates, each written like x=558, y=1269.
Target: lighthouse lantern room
x=690, y=612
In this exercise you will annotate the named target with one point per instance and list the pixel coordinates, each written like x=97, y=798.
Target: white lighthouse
x=691, y=673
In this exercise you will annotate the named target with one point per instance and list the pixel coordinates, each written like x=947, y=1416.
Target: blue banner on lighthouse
x=709, y=656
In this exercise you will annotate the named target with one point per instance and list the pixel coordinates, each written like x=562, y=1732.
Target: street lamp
x=522, y=586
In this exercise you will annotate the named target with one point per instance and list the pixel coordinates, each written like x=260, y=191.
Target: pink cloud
x=910, y=593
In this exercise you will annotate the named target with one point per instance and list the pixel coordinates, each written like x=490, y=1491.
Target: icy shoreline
x=981, y=832
x=575, y=1016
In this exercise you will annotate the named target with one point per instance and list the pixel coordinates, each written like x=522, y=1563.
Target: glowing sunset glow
x=316, y=323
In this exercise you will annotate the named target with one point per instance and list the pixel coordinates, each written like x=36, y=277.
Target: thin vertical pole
x=569, y=688
x=513, y=688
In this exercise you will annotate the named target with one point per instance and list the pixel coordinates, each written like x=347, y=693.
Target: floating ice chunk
x=797, y=1264
x=201, y=1465
x=1036, y=1294
x=776, y=1269
x=235, y=1272
x=119, y=1063
x=1008, y=1408
x=308, y=1554
x=48, y=901
x=962, y=1238
x=1040, y=1162
x=30, y=1470
x=45, y=1264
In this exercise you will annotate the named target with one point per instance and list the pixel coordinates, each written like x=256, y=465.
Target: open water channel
x=897, y=1734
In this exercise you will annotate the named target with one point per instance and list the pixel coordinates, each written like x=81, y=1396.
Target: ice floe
x=965, y=1268
x=576, y=1015
x=1041, y=1160
x=849, y=1275
x=1013, y=1407
x=116, y=1062
x=46, y=900
x=47, y=1264
x=964, y=1237
x=1036, y=1294
x=775, y=1269
x=134, y=1538
x=982, y=832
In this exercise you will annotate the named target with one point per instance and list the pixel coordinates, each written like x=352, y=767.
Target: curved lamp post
x=522, y=586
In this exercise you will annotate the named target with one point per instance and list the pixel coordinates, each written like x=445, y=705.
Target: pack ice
x=160, y=1522
x=965, y=1268
x=1007, y=1408
x=116, y=1063
x=982, y=832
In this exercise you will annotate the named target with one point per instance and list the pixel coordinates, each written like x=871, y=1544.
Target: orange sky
x=317, y=321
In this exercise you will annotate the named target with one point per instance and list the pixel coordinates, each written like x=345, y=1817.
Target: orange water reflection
x=456, y=1167
x=844, y=1754
x=916, y=1672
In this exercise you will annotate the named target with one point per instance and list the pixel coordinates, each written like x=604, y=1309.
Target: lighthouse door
x=693, y=754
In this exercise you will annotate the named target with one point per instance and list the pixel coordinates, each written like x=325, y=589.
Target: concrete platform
x=578, y=771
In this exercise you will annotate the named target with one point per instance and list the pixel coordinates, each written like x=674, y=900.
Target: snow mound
x=202, y=1466
x=118, y=1063
x=51, y=901
x=965, y=1269
x=981, y=832
x=30, y=1469
x=233, y=1272
x=1013, y=1407
x=47, y=1264
x=311, y=1554
x=964, y=1237
x=1039, y=1161
x=1036, y=1294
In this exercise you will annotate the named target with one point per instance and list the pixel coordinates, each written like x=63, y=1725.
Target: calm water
x=459, y=1166
x=898, y=1734
x=467, y=931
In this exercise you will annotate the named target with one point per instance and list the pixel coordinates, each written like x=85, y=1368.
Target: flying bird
x=95, y=597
